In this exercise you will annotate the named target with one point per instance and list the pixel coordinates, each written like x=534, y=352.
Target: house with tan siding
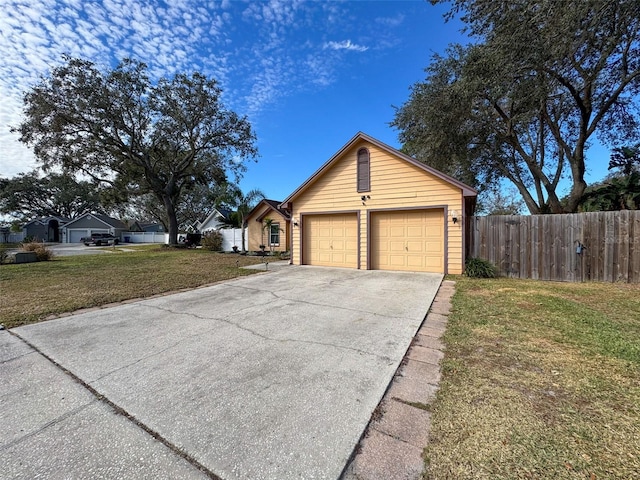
x=372, y=207
x=276, y=236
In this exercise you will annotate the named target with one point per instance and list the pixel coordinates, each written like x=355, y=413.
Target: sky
x=309, y=75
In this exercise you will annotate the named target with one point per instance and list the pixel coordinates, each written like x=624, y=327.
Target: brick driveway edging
x=392, y=445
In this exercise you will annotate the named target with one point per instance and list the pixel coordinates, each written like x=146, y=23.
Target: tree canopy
x=523, y=102
x=29, y=195
x=620, y=190
x=140, y=137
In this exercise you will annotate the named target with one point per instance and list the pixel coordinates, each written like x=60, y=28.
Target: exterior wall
x=213, y=223
x=257, y=236
x=395, y=184
x=38, y=231
x=86, y=222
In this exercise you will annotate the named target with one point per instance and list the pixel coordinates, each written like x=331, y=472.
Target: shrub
x=212, y=241
x=4, y=254
x=479, y=268
x=40, y=249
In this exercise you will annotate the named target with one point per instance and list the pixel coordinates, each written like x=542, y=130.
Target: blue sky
x=308, y=74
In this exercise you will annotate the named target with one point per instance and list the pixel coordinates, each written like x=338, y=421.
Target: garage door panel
x=330, y=240
x=416, y=246
x=415, y=231
x=408, y=240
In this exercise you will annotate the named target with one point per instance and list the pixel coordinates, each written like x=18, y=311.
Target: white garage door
x=76, y=235
x=331, y=240
x=410, y=240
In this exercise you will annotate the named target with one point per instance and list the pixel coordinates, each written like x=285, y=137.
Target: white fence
x=230, y=237
x=233, y=236
x=12, y=237
x=145, y=237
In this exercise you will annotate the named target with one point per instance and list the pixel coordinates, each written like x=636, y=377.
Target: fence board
x=634, y=249
x=544, y=247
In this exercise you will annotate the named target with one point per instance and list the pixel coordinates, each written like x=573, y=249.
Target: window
x=363, y=170
x=274, y=234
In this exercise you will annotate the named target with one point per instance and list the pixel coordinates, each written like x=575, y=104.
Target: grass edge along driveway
x=540, y=380
x=32, y=292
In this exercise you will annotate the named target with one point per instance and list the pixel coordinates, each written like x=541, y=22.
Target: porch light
x=454, y=216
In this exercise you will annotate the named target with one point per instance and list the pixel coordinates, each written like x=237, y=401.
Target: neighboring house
x=48, y=229
x=137, y=226
x=89, y=223
x=372, y=207
x=217, y=219
x=278, y=237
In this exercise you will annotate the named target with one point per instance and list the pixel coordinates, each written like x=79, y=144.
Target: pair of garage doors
x=410, y=240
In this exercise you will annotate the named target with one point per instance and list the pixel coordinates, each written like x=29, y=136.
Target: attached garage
x=76, y=235
x=90, y=223
x=330, y=240
x=371, y=206
x=408, y=240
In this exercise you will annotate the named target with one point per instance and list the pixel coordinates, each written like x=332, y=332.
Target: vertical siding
x=395, y=183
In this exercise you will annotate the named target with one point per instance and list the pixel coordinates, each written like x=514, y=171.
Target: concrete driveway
x=272, y=376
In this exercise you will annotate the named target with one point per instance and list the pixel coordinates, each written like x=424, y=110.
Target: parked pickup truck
x=99, y=239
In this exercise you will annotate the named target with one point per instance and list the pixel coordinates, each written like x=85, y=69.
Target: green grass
x=540, y=380
x=32, y=292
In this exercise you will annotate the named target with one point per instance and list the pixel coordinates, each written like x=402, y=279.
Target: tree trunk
x=242, y=228
x=171, y=218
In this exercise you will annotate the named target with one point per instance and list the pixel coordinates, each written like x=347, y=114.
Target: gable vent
x=364, y=184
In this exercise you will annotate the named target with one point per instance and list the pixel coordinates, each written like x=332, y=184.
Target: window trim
x=363, y=161
x=276, y=226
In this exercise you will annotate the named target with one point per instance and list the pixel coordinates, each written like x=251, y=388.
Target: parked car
x=99, y=239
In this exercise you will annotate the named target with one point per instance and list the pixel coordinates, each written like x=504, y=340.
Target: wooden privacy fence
x=600, y=246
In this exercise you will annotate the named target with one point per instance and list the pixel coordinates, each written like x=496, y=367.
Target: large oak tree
x=522, y=103
x=30, y=195
x=141, y=137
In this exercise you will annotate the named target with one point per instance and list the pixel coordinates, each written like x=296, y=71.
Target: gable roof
x=45, y=221
x=109, y=221
x=467, y=191
x=216, y=212
x=273, y=205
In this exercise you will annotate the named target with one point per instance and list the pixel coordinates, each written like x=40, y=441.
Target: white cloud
x=259, y=52
x=346, y=45
x=391, y=21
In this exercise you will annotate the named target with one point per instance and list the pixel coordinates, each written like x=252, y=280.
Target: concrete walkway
x=393, y=443
x=272, y=376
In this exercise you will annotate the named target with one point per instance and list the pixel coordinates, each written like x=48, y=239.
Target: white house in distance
x=216, y=220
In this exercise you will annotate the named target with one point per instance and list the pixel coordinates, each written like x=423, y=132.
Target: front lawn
x=31, y=292
x=540, y=380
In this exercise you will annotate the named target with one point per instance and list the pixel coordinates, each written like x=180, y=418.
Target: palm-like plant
x=243, y=203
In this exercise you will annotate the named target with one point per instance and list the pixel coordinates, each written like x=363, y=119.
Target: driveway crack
x=121, y=411
x=271, y=339
x=314, y=304
x=47, y=425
